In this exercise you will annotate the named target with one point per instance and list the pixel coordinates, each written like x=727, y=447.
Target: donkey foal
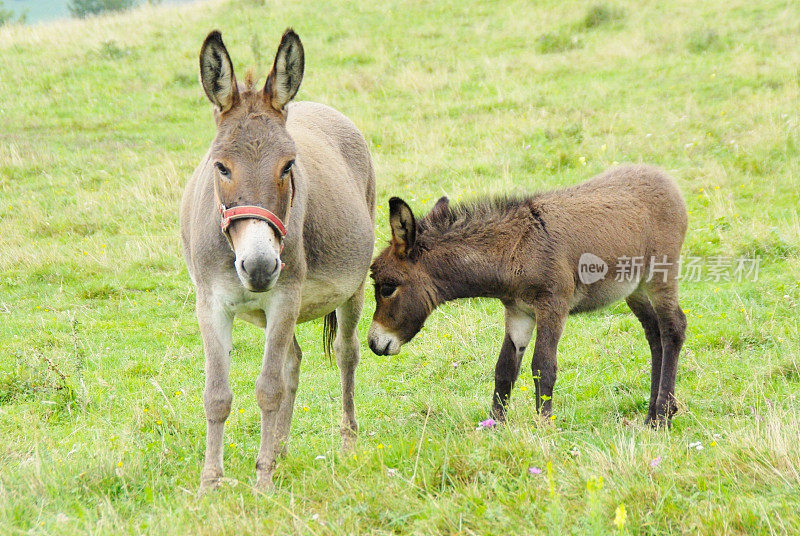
x=545, y=257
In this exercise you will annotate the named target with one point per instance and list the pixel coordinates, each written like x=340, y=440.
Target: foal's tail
x=329, y=326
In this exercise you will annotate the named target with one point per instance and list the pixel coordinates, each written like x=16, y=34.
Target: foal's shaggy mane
x=471, y=216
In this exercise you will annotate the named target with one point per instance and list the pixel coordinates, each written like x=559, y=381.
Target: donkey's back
x=629, y=221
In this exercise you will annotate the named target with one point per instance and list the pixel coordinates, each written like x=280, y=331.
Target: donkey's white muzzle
x=382, y=341
x=258, y=262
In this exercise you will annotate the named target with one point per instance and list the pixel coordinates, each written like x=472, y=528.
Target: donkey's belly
x=321, y=296
x=601, y=294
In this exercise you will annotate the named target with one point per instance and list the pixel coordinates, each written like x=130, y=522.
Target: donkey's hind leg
x=641, y=307
x=348, y=351
x=291, y=373
x=672, y=327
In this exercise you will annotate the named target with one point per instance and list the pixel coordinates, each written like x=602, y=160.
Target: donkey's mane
x=474, y=215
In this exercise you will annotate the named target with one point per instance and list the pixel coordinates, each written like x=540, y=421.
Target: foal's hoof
x=658, y=422
x=498, y=415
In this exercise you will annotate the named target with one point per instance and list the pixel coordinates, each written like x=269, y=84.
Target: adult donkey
x=281, y=183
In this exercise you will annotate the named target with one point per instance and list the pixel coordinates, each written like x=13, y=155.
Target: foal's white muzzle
x=258, y=255
x=382, y=341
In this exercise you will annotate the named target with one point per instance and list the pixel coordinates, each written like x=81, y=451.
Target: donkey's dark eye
x=225, y=172
x=387, y=290
x=287, y=169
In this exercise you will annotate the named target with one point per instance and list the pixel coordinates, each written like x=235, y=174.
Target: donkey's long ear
x=404, y=226
x=441, y=207
x=284, y=79
x=216, y=73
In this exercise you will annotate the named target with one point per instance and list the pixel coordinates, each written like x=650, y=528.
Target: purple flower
x=655, y=461
x=488, y=423
x=534, y=470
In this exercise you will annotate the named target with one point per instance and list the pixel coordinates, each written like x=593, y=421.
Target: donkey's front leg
x=519, y=327
x=550, y=319
x=215, y=328
x=271, y=385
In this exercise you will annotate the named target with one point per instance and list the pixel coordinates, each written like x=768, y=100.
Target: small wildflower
x=655, y=461
x=595, y=483
x=620, y=517
x=380, y=446
x=552, y=417
x=241, y=410
x=306, y=408
x=159, y=422
x=232, y=445
x=320, y=457
x=575, y=452
x=523, y=388
x=391, y=471
x=534, y=470
x=488, y=423
x=119, y=464
x=697, y=445
x=713, y=444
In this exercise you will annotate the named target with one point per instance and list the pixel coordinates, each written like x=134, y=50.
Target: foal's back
x=629, y=217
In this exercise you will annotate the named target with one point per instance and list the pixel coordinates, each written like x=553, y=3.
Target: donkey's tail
x=329, y=326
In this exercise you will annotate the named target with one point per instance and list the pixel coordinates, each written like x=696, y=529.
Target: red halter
x=250, y=211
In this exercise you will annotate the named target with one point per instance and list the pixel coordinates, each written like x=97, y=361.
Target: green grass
x=101, y=365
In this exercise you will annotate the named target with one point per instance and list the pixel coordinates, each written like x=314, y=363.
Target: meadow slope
x=101, y=368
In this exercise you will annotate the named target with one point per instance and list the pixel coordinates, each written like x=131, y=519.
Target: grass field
x=101, y=367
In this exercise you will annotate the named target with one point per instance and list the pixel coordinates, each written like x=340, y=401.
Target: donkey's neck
x=483, y=261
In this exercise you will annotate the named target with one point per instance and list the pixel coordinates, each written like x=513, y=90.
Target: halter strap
x=250, y=211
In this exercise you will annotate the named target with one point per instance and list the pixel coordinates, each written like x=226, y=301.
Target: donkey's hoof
x=208, y=485
x=264, y=484
x=349, y=443
x=658, y=422
x=499, y=415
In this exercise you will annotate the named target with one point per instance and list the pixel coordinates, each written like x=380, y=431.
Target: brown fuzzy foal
x=616, y=236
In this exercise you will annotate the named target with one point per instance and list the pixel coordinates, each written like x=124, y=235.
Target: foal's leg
x=271, y=385
x=643, y=309
x=348, y=352
x=291, y=371
x=550, y=319
x=215, y=328
x=672, y=326
x=519, y=327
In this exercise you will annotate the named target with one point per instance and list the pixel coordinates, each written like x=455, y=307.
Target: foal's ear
x=284, y=79
x=404, y=226
x=216, y=73
x=441, y=207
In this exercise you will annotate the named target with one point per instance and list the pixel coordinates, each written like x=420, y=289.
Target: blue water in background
x=44, y=10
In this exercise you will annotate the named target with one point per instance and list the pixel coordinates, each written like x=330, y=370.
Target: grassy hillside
x=101, y=368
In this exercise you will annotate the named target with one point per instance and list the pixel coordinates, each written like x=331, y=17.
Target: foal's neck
x=482, y=262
